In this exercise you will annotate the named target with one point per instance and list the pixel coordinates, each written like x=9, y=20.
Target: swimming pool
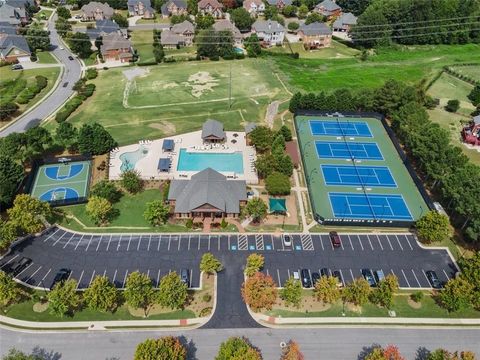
x=221, y=162
x=129, y=159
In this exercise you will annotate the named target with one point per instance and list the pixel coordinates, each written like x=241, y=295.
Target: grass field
x=45, y=57
x=472, y=71
x=142, y=41
x=336, y=51
x=168, y=101
x=407, y=64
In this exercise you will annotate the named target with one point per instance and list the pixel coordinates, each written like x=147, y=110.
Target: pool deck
x=147, y=166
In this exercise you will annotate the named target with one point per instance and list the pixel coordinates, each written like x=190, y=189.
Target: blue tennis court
x=350, y=175
x=340, y=128
x=348, y=150
x=369, y=206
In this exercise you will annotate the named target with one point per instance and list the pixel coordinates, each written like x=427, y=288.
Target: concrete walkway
x=298, y=192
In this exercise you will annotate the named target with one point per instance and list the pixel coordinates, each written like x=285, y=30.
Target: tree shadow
x=44, y=354
x=422, y=353
x=366, y=350
x=190, y=346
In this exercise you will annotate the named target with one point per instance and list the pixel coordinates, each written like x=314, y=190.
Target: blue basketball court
x=340, y=128
x=355, y=175
x=369, y=206
x=348, y=150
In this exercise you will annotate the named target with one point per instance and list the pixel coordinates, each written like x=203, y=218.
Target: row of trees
x=391, y=352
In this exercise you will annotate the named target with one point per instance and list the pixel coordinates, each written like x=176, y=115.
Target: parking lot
x=117, y=255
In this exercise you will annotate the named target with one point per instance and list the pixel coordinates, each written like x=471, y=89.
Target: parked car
x=433, y=279
x=315, y=278
x=379, y=275
x=287, y=240
x=70, y=57
x=324, y=272
x=185, y=277
x=335, y=239
x=61, y=275
x=306, y=280
x=21, y=265
x=367, y=275
x=17, y=67
x=338, y=275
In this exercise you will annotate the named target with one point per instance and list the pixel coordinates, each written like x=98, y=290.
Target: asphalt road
x=72, y=73
x=316, y=344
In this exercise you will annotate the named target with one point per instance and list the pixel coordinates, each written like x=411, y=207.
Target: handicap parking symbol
x=298, y=247
x=234, y=247
x=268, y=247
x=252, y=247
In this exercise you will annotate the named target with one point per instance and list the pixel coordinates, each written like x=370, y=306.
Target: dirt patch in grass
x=99, y=168
x=40, y=307
x=167, y=127
x=308, y=304
x=354, y=308
x=201, y=82
x=413, y=304
x=201, y=301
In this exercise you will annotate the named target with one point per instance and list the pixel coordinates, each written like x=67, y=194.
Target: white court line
x=81, y=275
x=278, y=276
x=108, y=245
x=401, y=247
x=381, y=246
x=125, y=278
x=8, y=262
x=60, y=238
x=158, y=277
x=129, y=240
x=48, y=272
x=350, y=242
x=99, y=242
x=351, y=274
x=418, y=282
x=405, y=278
x=32, y=275
x=51, y=235
x=79, y=241
x=89, y=243
x=91, y=278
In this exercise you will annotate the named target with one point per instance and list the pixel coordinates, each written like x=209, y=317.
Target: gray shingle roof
x=208, y=187
x=250, y=127
x=90, y=9
x=213, y=128
x=10, y=40
x=274, y=2
x=476, y=119
x=9, y=14
x=346, y=19
x=202, y=4
x=183, y=27
x=328, y=5
x=225, y=24
x=267, y=26
x=114, y=41
x=168, y=37
x=103, y=27
x=316, y=28
x=178, y=3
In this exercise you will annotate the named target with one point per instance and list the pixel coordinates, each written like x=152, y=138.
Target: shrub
x=254, y=264
x=277, y=184
x=417, y=296
x=206, y=297
x=452, y=105
x=131, y=181
x=91, y=73
x=107, y=190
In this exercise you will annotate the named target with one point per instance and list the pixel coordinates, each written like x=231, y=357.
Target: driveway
x=72, y=72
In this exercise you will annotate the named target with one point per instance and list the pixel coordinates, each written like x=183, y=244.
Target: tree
x=120, y=20
x=242, y=19
x=292, y=352
x=131, y=181
x=14, y=354
x=204, y=21
x=237, y=348
x=452, y=105
x=278, y=145
x=456, y=295
x=107, y=190
x=252, y=45
x=326, y=289
x=471, y=273
x=139, y=292
x=206, y=41
x=28, y=213
x=256, y=209
x=8, y=234
x=442, y=354
x=164, y=348
x=474, y=95
x=433, y=227
x=293, y=26
x=285, y=132
x=63, y=12
x=63, y=27
x=385, y=290
x=80, y=44
x=11, y=175
x=265, y=165
x=289, y=11
x=8, y=109
x=9, y=290
x=99, y=210
x=38, y=140
x=291, y=292
x=302, y=11
x=259, y=292
x=66, y=135
x=156, y=213
x=355, y=6
x=357, y=292
x=284, y=164
x=254, y=264
x=210, y=264
x=37, y=39
x=63, y=298
x=177, y=19
x=95, y=140
x=158, y=53
x=314, y=17
x=270, y=12
x=277, y=184
x=173, y=291
x=101, y=295
x=390, y=352
x=261, y=137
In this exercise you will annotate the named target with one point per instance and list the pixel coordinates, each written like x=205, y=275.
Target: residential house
x=344, y=22
x=269, y=32
x=212, y=7
x=328, y=8
x=212, y=131
x=13, y=47
x=96, y=11
x=279, y=4
x=141, y=8
x=207, y=194
x=315, y=35
x=223, y=25
x=178, y=35
x=13, y=15
x=116, y=48
x=254, y=7
x=174, y=7
x=105, y=27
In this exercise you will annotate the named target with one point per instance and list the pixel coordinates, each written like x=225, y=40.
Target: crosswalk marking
x=242, y=242
x=259, y=242
x=307, y=243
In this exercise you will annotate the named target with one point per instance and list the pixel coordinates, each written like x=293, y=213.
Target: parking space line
x=169, y=241
x=218, y=240
x=108, y=245
x=268, y=273
x=332, y=244
x=415, y=276
x=99, y=242
x=104, y=272
x=60, y=238
x=159, y=242
x=149, y=242
x=191, y=278
x=351, y=274
x=343, y=279
x=129, y=240
x=119, y=242
x=341, y=244
x=446, y=275
x=89, y=243
x=125, y=278
x=360, y=241
x=403, y=272
x=114, y=276
x=278, y=276
x=199, y=240
x=68, y=242
x=8, y=262
x=32, y=275
x=424, y=274
x=179, y=242
x=370, y=241
x=391, y=270
x=288, y=273
x=51, y=235
x=158, y=277
x=321, y=243
x=273, y=242
x=139, y=242
x=209, y=238
x=79, y=241
x=380, y=243
x=80, y=279
x=148, y=273
x=408, y=242
x=91, y=278
x=389, y=242
x=44, y=276
x=229, y=242
x=350, y=242
x=399, y=244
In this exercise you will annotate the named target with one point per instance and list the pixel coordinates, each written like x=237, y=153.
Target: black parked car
x=21, y=265
x=61, y=275
x=306, y=280
x=337, y=274
x=433, y=279
x=324, y=272
x=315, y=277
x=70, y=57
x=367, y=275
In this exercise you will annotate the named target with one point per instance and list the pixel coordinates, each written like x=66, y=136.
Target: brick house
x=279, y=4
x=174, y=7
x=13, y=47
x=254, y=7
x=96, y=11
x=116, y=48
x=212, y=7
x=315, y=35
x=178, y=35
x=141, y=8
x=328, y=8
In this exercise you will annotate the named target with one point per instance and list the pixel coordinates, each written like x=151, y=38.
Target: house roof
x=248, y=3
x=329, y=5
x=275, y=2
x=344, y=20
x=103, y=27
x=226, y=24
x=90, y=8
x=183, y=27
x=213, y=128
x=202, y=4
x=9, y=14
x=316, y=28
x=476, y=119
x=208, y=187
x=249, y=127
x=277, y=205
x=168, y=37
x=20, y=3
x=178, y=3
x=10, y=40
x=146, y=3
x=114, y=41
x=267, y=26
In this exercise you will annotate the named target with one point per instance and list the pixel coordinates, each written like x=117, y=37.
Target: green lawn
x=158, y=19
x=142, y=41
x=45, y=57
x=407, y=64
x=167, y=100
x=335, y=51
x=472, y=71
x=43, y=14
x=429, y=309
